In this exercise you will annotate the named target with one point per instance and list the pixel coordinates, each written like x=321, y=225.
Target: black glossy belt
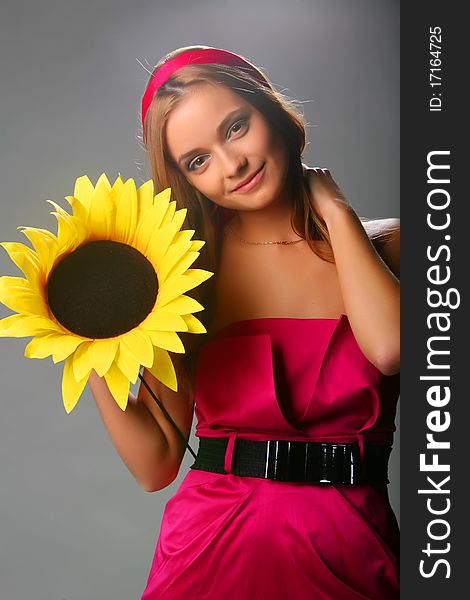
x=296, y=461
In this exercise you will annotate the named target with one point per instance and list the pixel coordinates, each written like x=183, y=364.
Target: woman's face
x=219, y=141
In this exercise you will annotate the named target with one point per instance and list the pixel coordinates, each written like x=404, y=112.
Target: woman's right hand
x=325, y=193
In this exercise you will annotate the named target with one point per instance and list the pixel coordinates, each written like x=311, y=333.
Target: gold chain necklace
x=283, y=242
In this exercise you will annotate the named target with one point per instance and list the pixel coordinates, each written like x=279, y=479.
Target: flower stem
x=167, y=415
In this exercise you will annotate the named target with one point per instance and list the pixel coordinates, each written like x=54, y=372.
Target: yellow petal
x=163, y=369
x=164, y=320
x=79, y=210
x=14, y=326
x=127, y=363
x=145, y=196
x=31, y=269
x=196, y=245
x=38, y=236
x=126, y=214
x=148, y=225
x=159, y=244
x=199, y=275
x=45, y=243
x=174, y=286
x=163, y=198
x=64, y=345
x=21, y=248
x=13, y=283
x=116, y=190
x=180, y=267
x=139, y=344
x=24, y=301
x=118, y=385
x=170, y=213
x=194, y=325
x=102, y=353
x=17, y=294
x=26, y=325
x=68, y=235
x=65, y=227
x=79, y=233
x=71, y=389
x=83, y=191
x=186, y=234
x=179, y=217
x=103, y=181
x=101, y=214
x=184, y=305
x=39, y=347
x=168, y=340
x=81, y=361
x=60, y=346
x=174, y=254
x=24, y=258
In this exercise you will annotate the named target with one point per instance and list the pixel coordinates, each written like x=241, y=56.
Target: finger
x=318, y=171
x=311, y=173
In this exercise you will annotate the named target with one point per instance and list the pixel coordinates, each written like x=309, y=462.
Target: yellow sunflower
x=108, y=291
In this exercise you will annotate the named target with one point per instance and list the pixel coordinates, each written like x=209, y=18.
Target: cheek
x=277, y=151
x=206, y=185
x=261, y=141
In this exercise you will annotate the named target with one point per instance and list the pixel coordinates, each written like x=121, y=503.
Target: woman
x=295, y=382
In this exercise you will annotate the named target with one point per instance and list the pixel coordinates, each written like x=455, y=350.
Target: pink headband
x=195, y=57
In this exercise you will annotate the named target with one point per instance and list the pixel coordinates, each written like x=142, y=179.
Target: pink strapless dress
x=228, y=537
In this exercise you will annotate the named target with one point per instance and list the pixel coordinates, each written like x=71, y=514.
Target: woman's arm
x=371, y=292
x=142, y=435
x=180, y=406
x=390, y=249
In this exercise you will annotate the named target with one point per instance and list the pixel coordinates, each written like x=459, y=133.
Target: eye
x=195, y=162
x=198, y=162
x=238, y=126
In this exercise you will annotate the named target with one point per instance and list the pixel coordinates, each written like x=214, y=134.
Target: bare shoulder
x=385, y=235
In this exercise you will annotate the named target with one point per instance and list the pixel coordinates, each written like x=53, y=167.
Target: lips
x=248, y=179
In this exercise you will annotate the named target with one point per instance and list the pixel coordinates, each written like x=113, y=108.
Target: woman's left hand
x=325, y=194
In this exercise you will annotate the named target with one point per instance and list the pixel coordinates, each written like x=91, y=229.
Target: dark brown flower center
x=102, y=289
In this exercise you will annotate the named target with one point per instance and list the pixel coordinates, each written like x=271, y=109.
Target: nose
x=233, y=163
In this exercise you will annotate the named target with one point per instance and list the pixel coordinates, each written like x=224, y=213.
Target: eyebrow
x=220, y=129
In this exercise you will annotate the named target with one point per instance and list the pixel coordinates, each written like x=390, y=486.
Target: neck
x=272, y=223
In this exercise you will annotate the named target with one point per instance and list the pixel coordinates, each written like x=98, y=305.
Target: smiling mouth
x=251, y=181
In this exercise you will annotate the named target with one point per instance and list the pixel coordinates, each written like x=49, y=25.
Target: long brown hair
x=282, y=115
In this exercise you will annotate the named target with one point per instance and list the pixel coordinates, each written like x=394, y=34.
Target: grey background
x=74, y=523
